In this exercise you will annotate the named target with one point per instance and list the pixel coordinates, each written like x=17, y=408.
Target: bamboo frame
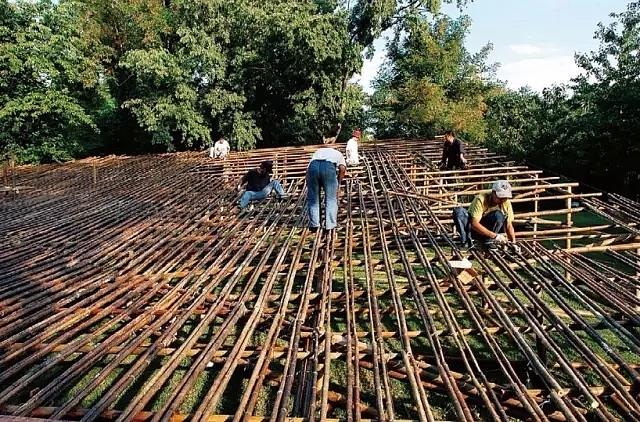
x=149, y=263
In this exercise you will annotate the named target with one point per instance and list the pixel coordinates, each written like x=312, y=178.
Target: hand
x=516, y=248
x=500, y=238
x=464, y=160
x=239, y=188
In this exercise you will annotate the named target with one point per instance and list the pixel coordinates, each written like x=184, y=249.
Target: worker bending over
x=220, y=149
x=452, y=153
x=325, y=171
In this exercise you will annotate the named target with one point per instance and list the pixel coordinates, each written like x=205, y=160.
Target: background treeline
x=134, y=76
x=80, y=77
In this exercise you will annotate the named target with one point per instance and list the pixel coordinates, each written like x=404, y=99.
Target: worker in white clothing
x=220, y=149
x=352, y=149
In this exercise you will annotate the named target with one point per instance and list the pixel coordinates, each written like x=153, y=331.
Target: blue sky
x=533, y=40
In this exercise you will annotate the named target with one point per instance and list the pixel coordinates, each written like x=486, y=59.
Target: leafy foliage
x=135, y=76
x=48, y=83
x=431, y=83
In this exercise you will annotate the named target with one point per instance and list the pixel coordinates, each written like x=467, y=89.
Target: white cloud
x=532, y=49
x=539, y=73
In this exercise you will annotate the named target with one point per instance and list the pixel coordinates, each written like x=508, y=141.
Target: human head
x=221, y=139
x=356, y=134
x=266, y=167
x=449, y=136
x=501, y=191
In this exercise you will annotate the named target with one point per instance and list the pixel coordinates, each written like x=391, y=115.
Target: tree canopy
x=431, y=83
x=80, y=77
x=587, y=129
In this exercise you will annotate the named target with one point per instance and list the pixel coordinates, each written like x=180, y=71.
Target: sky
x=533, y=40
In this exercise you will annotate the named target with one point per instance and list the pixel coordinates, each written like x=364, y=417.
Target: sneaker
x=464, y=246
x=490, y=246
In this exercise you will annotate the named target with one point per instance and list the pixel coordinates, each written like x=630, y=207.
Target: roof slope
x=131, y=285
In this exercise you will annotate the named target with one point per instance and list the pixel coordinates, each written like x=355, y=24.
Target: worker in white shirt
x=220, y=149
x=352, y=149
x=326, y=170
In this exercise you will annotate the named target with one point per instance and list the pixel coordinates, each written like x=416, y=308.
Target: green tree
x=292, y=77
x=367, y=20
x=512, y=119
x=431, y=83
x=606, y=103
x=50, y=90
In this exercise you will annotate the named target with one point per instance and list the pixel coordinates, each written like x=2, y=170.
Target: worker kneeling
x=259, y=185
x=489, y=214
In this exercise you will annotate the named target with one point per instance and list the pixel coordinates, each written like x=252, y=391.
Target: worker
x=352, y=149
x=321, y=173
x=452, y=153
x=220, y=149
x=258, y=185
x=489, y=214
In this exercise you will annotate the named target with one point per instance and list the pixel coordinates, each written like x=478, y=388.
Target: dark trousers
x=493, y=221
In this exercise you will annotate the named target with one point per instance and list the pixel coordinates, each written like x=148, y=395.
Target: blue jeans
x=249, y=196
x=322, y=174
x=493, y=221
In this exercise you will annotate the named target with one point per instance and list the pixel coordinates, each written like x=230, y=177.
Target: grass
x=401, y=391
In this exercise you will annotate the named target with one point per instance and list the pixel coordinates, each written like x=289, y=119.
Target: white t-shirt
x=352, y=145
x=222, y=147
x=329, y=154
x=352, y=151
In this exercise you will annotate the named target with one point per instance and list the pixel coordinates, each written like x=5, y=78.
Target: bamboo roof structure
x=132, y=289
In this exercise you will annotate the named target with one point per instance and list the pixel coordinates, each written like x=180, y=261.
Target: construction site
x=132, y=289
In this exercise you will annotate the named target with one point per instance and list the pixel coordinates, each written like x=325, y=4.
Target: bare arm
x=342, y=170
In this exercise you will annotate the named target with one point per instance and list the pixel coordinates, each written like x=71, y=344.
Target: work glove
x=500, y=238
x=239, y=188
x=515, y=247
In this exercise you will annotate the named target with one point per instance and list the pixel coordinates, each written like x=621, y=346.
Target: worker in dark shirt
x=452, y=153
x=258, y=185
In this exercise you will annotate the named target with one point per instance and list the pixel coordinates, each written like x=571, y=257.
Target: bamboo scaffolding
x=136, y=274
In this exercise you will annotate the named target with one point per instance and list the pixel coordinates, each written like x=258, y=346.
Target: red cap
x=356, y=133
